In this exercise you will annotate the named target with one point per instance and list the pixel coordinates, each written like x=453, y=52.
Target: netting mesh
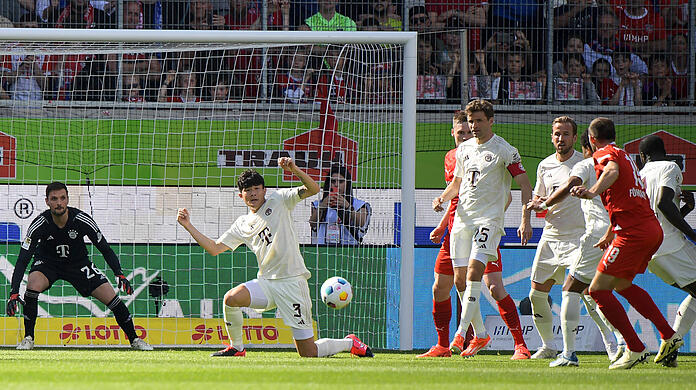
x=137, y=132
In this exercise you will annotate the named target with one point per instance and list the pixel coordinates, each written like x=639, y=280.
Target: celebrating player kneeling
x=56, y=241
x=282, y=276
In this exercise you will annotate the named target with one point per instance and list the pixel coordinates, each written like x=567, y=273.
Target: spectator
x=13, y=10
x=575, y=18
x=679, y=65
x=132, y=89
x=500, y=44
x=30, y=80
x=27, y=20
x=295, y=85
x=381, y=10
x=515, y=86
x=575, y=86
x=473, y=13
x=629, y=91
x=574, y=45
x=370, y=23
x=605, y=44
x=420, y=21
x=659, y=89
x=676, y=16
x=328, y=19
x=641, y=28
x=601, y=77
x=246, y=15
x=200, y=16
x=339, y=218
x=427, y=58
x=220, y=91
x=78, y=14
x=526, y=16
x=334, y=83
x=184, y=90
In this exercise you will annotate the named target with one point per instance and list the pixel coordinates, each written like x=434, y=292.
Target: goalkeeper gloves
x=124, y=284
x=12, y=304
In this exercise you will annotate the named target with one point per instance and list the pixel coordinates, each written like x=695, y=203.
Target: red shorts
x=631, y=250
x=443, y=263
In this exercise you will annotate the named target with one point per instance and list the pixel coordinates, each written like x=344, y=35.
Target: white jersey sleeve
x=658, y=174
x=596, y=216
x=231, y=238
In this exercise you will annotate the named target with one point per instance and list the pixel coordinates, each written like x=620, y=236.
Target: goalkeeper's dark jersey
x=64, y=247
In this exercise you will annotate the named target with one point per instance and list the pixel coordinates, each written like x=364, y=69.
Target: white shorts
x=473, y=242
x=677, y=267
x=291, y=298
x=584, y=266
x=552, y=258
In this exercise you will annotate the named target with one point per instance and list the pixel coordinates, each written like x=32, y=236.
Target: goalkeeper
x=56, y=241
x=282, y=278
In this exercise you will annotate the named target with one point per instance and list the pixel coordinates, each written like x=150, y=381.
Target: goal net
x=139, y=124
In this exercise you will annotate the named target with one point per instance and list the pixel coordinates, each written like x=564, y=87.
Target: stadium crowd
x=616, y=52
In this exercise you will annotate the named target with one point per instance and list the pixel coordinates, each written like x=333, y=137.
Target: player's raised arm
x=310, y=187
x=184, y=218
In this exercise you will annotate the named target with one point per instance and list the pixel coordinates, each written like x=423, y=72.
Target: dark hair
x=55, y=186
x=652, y=144
x=459, y=116
x=418, y=9
x=602, y=129
x=345, y=173
x=601, y=61
x=248, y=179
x=566, y=119
x=479, y=105
x=370, y=21
x=585, y=140
x=655, y=58
x=622, y=52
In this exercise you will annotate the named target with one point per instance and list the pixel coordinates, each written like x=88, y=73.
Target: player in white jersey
x=282, y=278
x=584, y=265
x=675, y=260
x=564, y=224
x=482, y=177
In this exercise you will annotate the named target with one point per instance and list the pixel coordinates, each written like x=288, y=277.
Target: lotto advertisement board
x=180, y=332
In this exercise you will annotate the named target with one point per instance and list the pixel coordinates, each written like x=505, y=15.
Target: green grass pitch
x=98, y=369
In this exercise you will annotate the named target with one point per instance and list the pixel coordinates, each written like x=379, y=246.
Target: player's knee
x=460, y=283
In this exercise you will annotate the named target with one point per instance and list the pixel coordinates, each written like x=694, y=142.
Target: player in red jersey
x=444, y=272
x=632, y=238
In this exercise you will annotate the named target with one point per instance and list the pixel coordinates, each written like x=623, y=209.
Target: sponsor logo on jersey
x=26, y=244
x=72, y=234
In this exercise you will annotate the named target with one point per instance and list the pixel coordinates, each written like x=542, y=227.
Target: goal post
x=131, y=161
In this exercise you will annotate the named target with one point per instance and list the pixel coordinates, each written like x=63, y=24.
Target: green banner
x=194, y=276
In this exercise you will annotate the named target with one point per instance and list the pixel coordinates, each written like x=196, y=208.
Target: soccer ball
x=336, y=292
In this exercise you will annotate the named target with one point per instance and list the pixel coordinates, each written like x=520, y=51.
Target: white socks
x=471, y=310
x=543, y=318
x=686, y=315
x=476, y=321
x=330, y=347
x=233, y=322
x=570, y=318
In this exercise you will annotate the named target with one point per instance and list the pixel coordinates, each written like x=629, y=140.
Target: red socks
x=615, y=313
x=643, y=303
x=442, y=314
x=508, y=311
